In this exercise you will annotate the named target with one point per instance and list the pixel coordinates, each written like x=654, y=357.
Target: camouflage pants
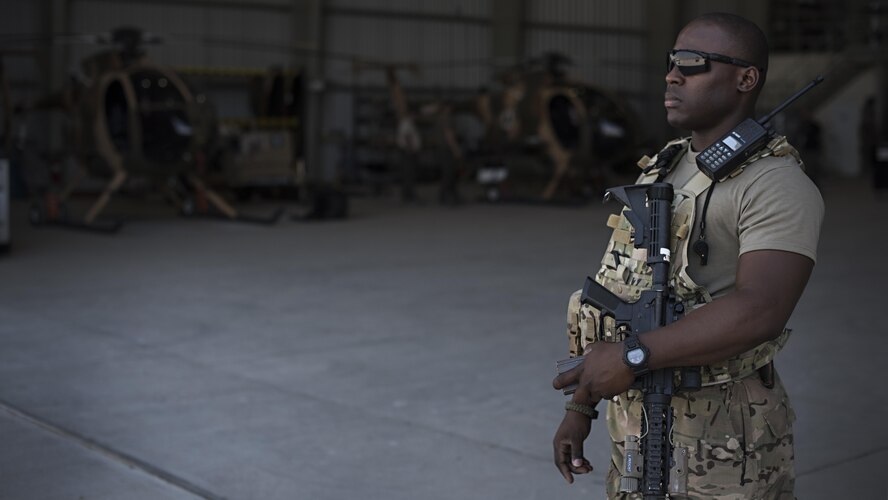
x=739, y=438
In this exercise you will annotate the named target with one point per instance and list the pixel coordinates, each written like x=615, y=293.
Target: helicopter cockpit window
x=565, y=120
x=166, y=126
x=117, y=117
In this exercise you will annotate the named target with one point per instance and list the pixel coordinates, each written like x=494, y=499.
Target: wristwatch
x=636, y=354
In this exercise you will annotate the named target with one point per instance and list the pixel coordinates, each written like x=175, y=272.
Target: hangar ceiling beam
x=307, y=26
x=56, y=61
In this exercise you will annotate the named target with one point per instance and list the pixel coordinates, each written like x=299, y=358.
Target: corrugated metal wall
x=606, y=40
x=247, y=35
x=19, y=35
x=469, y=8
x=622, y=14
x=219, y=35
x=693, y=8
x=448, y=41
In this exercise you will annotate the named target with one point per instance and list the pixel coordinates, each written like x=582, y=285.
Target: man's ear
x=749, y=79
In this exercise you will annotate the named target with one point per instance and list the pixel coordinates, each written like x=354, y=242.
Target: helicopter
x=544, y=128
x=132, y=118
x=523, y=142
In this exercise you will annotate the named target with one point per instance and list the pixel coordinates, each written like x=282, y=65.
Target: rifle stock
x=605, y=301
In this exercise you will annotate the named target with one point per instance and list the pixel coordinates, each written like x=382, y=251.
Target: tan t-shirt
x=771, y=205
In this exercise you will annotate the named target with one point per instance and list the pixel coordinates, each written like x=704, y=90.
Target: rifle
x=652, y=464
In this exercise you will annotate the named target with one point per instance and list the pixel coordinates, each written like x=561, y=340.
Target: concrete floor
x=405, y=353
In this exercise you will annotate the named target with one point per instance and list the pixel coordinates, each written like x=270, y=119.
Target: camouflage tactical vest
x=624, y=271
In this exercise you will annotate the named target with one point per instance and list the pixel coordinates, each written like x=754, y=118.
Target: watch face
x=635, y=356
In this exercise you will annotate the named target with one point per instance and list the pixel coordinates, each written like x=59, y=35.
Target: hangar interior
x=323, y=248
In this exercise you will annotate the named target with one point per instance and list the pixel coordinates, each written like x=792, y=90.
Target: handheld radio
x=727, y=154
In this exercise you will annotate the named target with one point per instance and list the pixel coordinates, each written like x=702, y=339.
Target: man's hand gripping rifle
x=664, y=468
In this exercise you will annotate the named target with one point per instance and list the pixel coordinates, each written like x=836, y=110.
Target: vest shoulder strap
x=698, y=183
x=671, y=153
x=778, y=146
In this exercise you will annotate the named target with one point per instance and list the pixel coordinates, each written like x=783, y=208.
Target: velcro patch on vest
x=682, y=232
x=679, y=218
x=622, y=236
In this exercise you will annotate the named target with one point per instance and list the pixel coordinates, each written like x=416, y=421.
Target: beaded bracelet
x=584, y=409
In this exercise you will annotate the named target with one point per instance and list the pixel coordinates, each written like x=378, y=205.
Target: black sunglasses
x=693, y=62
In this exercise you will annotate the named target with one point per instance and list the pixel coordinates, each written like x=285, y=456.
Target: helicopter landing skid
x=206, y=199
x=56, y=214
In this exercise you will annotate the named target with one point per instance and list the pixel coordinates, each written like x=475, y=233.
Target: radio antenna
x=765, y=119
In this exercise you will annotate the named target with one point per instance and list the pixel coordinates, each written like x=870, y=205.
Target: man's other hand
x=568, y=445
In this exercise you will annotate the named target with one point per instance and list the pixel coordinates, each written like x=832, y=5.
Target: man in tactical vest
x=742, y=252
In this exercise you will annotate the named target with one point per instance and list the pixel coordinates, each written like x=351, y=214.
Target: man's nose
x=674, y=76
